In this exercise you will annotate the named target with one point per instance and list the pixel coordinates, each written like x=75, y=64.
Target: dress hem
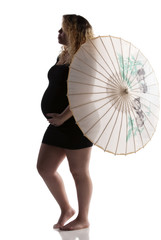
x=63, y=147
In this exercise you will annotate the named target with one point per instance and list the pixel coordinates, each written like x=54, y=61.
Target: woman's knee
x=79, y=162
x=42, y=168
x=49, y=160
x=39, y=168
x=79, y=174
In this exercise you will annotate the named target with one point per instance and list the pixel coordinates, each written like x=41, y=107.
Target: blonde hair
x=78, y=30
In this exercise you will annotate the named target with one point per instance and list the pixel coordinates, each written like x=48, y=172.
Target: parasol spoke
x=144, y=123
x=117, y=79
x=157, y=118
x=92, y=85
x=87, y=74
x=100, y=65
x=149, y=111
x=147, y=93
x=147, y=131
x=96, y=110
x=126, y=130
x=94, y=101
x=137, y=82
x=120, y=77
x=146, y=61
x=134, y=65
x=134, y=143
x=154, y=128
x=122, y=105
x=102, y=117
x=128, y=61
x=97, y=71
x=122, y=59
x=151, y=94
x=89, y=93
x=114, y=125
x=144, y=113
x=137, y=124
x=148, y=86
x=109, y=119
x=146, y=100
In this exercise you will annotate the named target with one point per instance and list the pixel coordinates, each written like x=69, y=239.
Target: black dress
x=55, y=100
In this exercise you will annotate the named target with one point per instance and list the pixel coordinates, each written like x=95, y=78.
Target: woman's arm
x=58, y=119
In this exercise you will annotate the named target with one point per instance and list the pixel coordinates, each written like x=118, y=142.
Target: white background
x=126, y=202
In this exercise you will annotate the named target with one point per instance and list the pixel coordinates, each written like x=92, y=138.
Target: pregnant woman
x=63, y=138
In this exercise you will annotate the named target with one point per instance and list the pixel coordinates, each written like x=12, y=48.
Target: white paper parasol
x=113, y=95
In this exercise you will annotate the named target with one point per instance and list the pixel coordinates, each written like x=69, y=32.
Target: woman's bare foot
x=75, y=225
x=65, y=216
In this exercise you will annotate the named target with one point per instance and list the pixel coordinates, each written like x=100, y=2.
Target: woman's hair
x=78, y=30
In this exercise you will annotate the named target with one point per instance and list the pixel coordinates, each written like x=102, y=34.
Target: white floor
x=83, y=234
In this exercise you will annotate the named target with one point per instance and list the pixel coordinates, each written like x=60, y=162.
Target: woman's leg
x=79, y=167
x=49, y=160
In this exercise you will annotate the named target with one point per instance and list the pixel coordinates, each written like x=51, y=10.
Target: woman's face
x=62, y=37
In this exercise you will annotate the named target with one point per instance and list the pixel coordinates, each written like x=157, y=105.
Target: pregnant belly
x=53, y=101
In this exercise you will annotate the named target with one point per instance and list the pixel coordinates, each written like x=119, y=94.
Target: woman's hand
x=55, y=119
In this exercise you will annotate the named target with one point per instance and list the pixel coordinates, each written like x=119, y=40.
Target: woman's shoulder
x=60, y=63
